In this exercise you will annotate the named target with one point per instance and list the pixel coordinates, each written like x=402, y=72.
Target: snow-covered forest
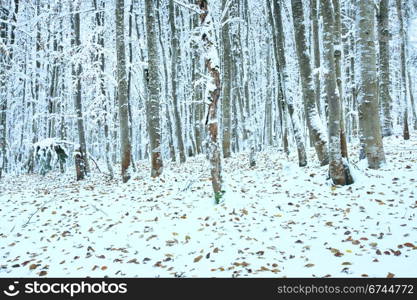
x=182, y=138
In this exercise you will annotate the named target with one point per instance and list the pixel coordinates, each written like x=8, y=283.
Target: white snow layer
x=276, y=220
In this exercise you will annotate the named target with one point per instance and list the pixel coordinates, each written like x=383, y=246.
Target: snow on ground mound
x=276, y=220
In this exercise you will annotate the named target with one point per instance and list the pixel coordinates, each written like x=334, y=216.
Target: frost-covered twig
x=100, y=210
x=190, y=183
x=193, y=8
x=39, y=208
x=94, y=161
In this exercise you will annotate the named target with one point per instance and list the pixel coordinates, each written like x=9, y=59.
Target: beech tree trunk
x=81, y=161
x=213, y=89
x=227, y=80
x=122, y=92
x=406, y=131
x=369, y=123
x=384, y=67
x=175, y=62
x=338, y=51
x=338, y=172
x=154, y=91
x=314, y=123
x=3, y=85
x=413, y=106
x=316, y=52
x=284, y=91
x=101, y=61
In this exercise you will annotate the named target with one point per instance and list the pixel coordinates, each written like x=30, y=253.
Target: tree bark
x=213, y=89
x=284, y=91
x=268, y=103
x=129, y=86
x=82, y=167
x=369, y=123
x=338, y=51
x=245, y=102
x=175, y=62
x=3, y=87
x=226, y=93
x=403, y=63
x=316, y=51
x=197, y=97
x=339, y=174
x=122, y=92
x=164, y=79
x=101, y=60
x=154, y=91
x=384, y=67
x=314, y=123
x=413, y=106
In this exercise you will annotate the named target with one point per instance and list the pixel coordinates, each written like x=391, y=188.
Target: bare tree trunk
x=51, y=97
x=339, y=174
x=154, y=91
x=3, y=123
x=213, y=89
x=101, y=61
x=129, y=85
x=226, y=94
x=81, y=161
x=339, y=80
x=268, y=103
x=369, y=123
x=406, y=131
x=170, y=132
x=237, y=71
x=350, y=46
x=314, y=123
x=198, y=104
x=347, y=94
x=122, y=92
x=316, y=51
x=175, y=62
x=284, y=98
x=8, y=57
x=413, y=106
x=247, y=113
x=384, y=67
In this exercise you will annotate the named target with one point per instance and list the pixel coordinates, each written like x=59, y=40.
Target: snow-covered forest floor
x=276, y=220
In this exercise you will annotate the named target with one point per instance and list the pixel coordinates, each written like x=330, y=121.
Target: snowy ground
x=276, y=220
